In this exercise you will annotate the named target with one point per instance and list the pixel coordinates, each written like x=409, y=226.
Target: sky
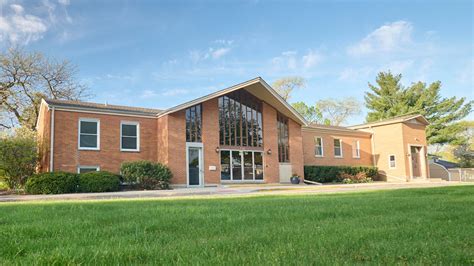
x=161, y=53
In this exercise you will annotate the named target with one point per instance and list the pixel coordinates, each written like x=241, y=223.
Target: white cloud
x=291, y=61
x=398, y=67
x=21, y=28
x=387, y=38
x=311, y=59
x=64, y=2
x=218, y=53
x=175, y=92
x=224, y=42
x=466, y=75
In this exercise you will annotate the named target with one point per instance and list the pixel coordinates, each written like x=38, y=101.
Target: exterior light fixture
x=269, y=151
x=217, y=149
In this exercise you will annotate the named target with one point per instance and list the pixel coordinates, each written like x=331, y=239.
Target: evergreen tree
x=389, y=98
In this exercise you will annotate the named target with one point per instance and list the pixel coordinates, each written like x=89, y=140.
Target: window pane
x=83, y=170
x=129, y=130
x=88, y=141
x=248, y=165
x=258, y=166
x=129, y=143
x=88, y=127
x=337, y=147
x=225, y=165
x=236, y=165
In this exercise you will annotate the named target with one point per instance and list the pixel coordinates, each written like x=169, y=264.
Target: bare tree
x=338, y=111
x=286, y=85
x=26, y=78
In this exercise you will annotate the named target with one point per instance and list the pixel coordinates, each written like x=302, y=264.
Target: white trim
x=51, y=149
x=79, y=134
x=322, y=147
x=394, y=160
x=340, y=147
x=97, y=168
x=134, y=123
x=152, y=116
x=357, y=155
x=201, y=163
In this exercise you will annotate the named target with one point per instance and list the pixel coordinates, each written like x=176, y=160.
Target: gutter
x=51, y=154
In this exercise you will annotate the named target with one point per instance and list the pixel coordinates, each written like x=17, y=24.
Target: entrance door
x=415, y=161
x=241, y=165
x=194, y=162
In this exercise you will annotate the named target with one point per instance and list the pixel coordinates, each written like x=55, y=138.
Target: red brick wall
x=67, y=156
x=328, y=148
x=177, y=146
x=210, y=139
x=296, y=148
x=44, y=138
x=270, y=142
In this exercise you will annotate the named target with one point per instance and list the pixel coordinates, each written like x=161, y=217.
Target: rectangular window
x=193, y=123
x=318, y=149
x=129, y=136
x=391, y=161
x=283, y=139
x=355, y=149
x=87, y=169
x=337, y=148
x=237, y=165
x=89, y=134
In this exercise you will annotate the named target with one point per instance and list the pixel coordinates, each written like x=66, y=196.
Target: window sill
x=355, y=157
x=242, y=181
x=89, y=149
x=339, y=157
x=319, y=156
x=129, y=150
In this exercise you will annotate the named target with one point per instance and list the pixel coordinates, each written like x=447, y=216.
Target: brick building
x=242, y=134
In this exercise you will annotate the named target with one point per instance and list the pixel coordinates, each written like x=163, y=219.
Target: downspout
x=51, y=154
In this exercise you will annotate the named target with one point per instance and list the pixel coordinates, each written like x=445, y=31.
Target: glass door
x=241, y=165
x=194, y=162
x=236, y=165
x=248, y=165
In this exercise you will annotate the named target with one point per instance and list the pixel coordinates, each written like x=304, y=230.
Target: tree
x=286, y=85
x=389, y=98
x=338, y=111
x=26, y=78
x=310, y=113
x=18, y=157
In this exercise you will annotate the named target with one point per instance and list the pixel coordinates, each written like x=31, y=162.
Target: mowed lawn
x=428, y=226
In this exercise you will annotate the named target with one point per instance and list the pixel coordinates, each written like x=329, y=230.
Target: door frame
x=242, y=166
x=422, y=161
x=201, y=163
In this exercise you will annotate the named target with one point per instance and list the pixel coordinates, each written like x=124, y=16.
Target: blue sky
x=161, y=53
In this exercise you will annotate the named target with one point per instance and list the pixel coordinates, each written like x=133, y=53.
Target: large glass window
x=89, y=134
x=193, y=123
x=241, y=165
x=283, y=139
x=240, y=120
x=130, y=136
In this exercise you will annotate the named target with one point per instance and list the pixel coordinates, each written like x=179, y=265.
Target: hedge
x=328, y=174
x=99, y=182
x=52, y=183
x=146, y=174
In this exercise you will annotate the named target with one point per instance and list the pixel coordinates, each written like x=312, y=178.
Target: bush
x=146, y=174
x=360, y=177
x=18, y=158
x=328, y=174
x=99, y=182
x=52, y=183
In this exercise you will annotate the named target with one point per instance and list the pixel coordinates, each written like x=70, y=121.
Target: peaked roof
x=103, y=107
x=334, y=128
x=393, y=120
x=257, y=86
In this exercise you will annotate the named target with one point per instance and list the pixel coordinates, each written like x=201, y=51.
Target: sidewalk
x=232, y=191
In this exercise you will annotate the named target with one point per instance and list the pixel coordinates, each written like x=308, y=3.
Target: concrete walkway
x=232, y=191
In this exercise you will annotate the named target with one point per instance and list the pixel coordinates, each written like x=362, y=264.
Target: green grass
x=422, y=226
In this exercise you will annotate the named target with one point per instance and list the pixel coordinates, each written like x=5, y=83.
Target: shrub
x=52, y=183
x=360, y=177
x=18, y=158
x=146, y=174
x=328, y=174
x=99, y=182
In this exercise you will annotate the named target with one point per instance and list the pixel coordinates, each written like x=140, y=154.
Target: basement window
x=87, y=169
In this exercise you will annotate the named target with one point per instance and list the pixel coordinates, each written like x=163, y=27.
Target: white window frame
x=394, y=161
x=340, y=147
x=135, y=123
x=97, y=168
x=357, y=149
x=322, y=146
x=79, y=134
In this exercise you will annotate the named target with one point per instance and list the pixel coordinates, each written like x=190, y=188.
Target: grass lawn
x=428, y=226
